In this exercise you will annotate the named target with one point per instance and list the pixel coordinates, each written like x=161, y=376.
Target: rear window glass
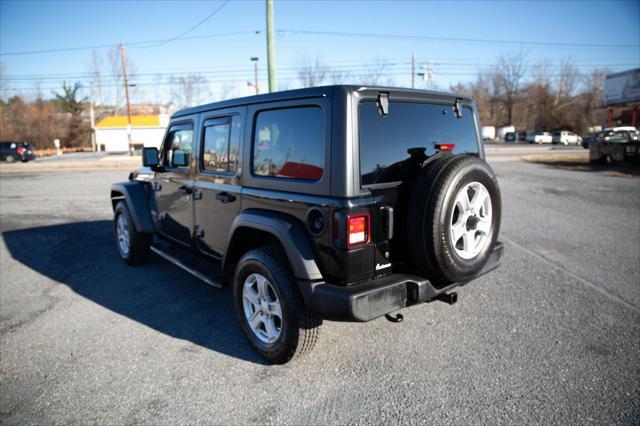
x=290, y=143
x=393, y=146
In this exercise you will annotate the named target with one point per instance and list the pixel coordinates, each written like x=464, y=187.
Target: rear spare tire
x=453, y=219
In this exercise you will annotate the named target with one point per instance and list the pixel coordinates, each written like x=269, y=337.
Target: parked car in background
x=588, y=139
x=565, y=137
x=488, y=133
x=616, y=145
x=501, y=132
x=539, y=137
x=511, y=137
x=11, y=151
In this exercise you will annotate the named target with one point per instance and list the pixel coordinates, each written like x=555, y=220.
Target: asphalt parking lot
x=552, y=336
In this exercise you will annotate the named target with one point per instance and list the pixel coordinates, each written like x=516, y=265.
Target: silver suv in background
x=565, y=137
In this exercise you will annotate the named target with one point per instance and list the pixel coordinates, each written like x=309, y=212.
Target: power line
x=181, y=37
x=138, y=44
x=355, y=66
x=170, y=39
x=462, y=40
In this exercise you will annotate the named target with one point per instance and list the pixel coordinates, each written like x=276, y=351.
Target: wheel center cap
x=472, y=223
x=264, y=307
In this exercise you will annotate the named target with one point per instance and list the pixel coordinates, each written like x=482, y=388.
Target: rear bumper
x=370, y=300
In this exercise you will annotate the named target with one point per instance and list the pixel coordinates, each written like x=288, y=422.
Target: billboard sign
x=622, y=87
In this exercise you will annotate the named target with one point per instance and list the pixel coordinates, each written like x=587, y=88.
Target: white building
x=146, y=130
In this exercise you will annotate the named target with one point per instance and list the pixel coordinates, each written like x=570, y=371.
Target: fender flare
x=136, y=196
x=289, y=232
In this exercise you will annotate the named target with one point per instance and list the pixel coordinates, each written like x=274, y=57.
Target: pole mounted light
x=255, y=59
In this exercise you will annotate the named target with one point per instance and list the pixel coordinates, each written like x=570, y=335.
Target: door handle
x=225, y=197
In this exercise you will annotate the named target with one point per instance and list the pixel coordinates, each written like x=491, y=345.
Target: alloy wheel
x=471, y=220
x=262, y=308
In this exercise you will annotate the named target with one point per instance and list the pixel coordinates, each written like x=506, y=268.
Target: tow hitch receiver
x=394, y=318
x=449, y=298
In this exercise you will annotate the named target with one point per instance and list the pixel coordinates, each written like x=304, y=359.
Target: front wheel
x=133, y=247
x=270, y=309
x=10, y=159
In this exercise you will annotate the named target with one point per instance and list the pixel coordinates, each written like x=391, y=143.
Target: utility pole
x=271, y=48
x=429, y=75
x=255, y=72
x=93, y=126
x=126, y=93
x=413, y=70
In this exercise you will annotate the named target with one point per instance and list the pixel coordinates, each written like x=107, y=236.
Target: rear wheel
x=454, y=219
x=270, y=309
x=133, y=247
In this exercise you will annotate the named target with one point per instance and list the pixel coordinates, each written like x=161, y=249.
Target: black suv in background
x=343, y=203
x=11, y=151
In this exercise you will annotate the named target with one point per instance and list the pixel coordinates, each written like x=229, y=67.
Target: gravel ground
x=552, y=336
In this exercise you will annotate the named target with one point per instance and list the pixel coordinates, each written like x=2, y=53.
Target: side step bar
x=211, y=281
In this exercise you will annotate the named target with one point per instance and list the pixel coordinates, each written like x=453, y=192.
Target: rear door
x=174, y=184
x=392, y=149
x=217, y=189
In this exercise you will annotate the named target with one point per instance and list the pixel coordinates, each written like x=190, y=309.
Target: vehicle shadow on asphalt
x=158, y=295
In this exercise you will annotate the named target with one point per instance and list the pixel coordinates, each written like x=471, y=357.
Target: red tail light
x=358, y=230
x=20, y=150
x=445, y=147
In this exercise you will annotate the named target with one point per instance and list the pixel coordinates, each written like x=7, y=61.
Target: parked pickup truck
x=616, y=145
x=341, y=203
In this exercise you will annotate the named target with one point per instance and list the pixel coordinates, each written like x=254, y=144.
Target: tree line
x=549, y=99
x=538, y=96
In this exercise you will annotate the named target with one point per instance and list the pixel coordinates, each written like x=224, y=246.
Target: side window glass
x=178, y=151
x=221, y=147
x=215, y=156
x=289, y=143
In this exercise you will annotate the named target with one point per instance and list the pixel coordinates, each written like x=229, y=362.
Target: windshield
x=392, y=147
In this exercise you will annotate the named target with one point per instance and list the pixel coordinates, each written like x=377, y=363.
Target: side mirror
x=180, y=159
x=150, y=157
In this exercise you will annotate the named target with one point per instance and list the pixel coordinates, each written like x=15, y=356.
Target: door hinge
x=199, y=232
x=156, y=186
x=197, y=194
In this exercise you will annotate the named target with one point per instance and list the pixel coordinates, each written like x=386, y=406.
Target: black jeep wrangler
x=343, y=203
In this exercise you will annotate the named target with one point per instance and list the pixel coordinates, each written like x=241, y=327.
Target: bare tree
x=189, y=90
x=376, y=71
x=4, y=82
x=97, y=80
x=312, y=73
x=115, y=72
x=158, y=79
x=510, y=72
x=227, y=90
x=338, y=76
x=567, y=82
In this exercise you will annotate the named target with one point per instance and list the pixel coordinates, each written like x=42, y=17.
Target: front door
x=217, y=187
x=174, y=183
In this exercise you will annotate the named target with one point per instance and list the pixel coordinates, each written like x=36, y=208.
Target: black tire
x=431, y=210
x=139, y=243
x=299, y=328
x=10, y=159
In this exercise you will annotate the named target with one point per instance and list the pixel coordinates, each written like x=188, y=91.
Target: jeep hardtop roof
x=314, y=92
